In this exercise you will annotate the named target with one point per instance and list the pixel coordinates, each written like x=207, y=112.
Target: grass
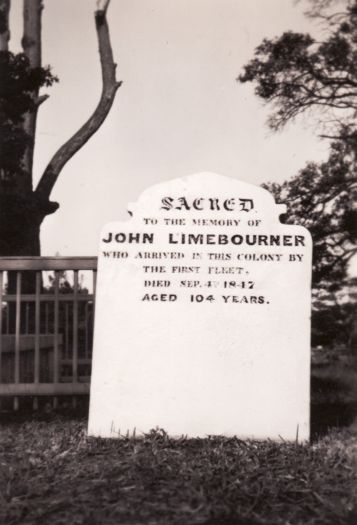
x=51, y=473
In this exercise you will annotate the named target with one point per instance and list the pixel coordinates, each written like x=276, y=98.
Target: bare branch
x=102, y=5
x=31, y=40
x=321, y=9
x=333, y=137
x=345, y=256
x=109, y=88
x=4, y=25
x=31, y=44
x=41, y=99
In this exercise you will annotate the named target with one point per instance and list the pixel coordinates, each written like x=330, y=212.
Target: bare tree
x=23, y=207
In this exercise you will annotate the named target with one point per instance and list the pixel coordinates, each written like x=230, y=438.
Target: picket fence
x=46, y=328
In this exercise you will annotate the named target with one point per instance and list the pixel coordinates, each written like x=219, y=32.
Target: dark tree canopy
x=296, y=74
x=322, y=197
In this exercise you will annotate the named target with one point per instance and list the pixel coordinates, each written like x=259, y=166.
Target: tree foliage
x=19, y=81
x=322, y=197
x=297, y=75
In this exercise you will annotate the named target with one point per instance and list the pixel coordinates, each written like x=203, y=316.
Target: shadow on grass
x=333, y=404
x=45, y=411
x=325, y=416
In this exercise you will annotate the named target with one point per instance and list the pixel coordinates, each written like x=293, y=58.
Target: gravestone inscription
x=203, y=315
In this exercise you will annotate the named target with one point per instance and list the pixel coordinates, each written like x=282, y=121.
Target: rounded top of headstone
x=208, y=193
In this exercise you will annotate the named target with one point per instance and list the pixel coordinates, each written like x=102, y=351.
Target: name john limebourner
x=209, y=238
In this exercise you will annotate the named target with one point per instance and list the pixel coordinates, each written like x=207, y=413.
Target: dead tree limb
x=109, y=88
x=4, y=25
x=31, y=44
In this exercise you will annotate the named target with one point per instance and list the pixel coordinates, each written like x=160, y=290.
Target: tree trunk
x=4, y=24
x=31, y=44
x=20, y=222
x=20, y=236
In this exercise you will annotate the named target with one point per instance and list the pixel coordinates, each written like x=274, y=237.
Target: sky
x=179, y=111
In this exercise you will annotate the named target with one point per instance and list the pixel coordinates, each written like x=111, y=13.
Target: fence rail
x=46, y=326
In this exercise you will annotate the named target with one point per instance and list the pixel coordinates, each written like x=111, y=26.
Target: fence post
x=17, y=336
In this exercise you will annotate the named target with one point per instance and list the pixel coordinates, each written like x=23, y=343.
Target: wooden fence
x=46, y=327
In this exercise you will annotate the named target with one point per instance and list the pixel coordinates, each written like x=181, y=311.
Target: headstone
x=203, y=316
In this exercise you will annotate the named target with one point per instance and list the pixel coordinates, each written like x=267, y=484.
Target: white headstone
x=203, y=316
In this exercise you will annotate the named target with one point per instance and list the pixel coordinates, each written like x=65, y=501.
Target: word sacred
x=201, y=204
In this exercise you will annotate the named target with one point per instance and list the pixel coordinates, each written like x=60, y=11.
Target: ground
x=51, y=472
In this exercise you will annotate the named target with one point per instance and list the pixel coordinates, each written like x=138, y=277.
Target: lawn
x=51, y=473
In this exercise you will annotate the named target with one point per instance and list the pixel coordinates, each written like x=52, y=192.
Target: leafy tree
x=22, y=207
x=297, y=75
x=321, y=198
